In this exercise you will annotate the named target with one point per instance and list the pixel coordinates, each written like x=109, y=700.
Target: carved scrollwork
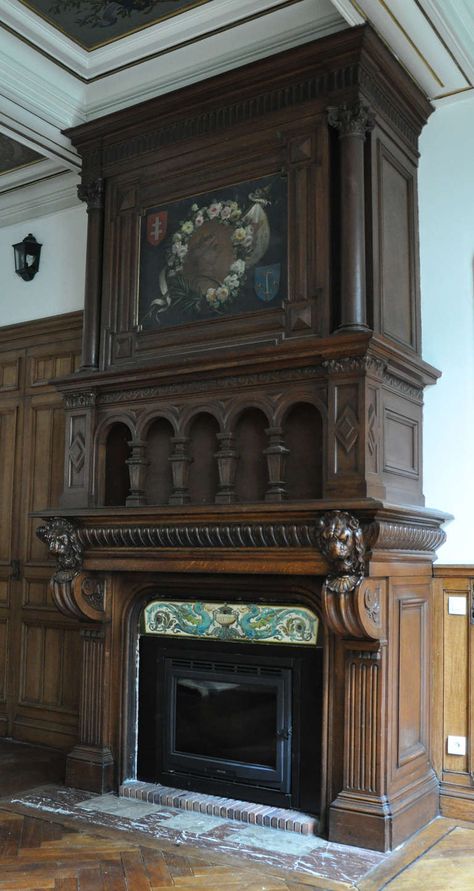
x=73, y=596
x=351, y=604
x=83, y=399
x=93, y=590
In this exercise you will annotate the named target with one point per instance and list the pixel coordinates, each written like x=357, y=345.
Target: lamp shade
x=27, y=257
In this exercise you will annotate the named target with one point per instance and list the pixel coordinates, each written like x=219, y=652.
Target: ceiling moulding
x=412, y=37
x=287, y=27
x=189, y=25
x=349, y=12
x=37, y=133
x=39, y=199
x=22, y=176
x=39, y=85
x=454, y=19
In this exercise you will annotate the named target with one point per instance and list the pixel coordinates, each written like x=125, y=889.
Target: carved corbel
x=76, y=595
x=351, y=604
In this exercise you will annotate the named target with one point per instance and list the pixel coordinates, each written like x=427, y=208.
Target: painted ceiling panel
x=93, y=23
x=14, y=155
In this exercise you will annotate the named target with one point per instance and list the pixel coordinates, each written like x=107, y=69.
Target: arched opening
x=117, y=476
x=303, y=434
x=251, y=479
x=159, y=478
x=203, y=473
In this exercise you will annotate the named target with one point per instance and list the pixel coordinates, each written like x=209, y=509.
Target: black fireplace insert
x=237, y=720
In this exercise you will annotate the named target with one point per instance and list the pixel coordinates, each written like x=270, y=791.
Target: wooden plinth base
x=90, y=768
x=381, y=824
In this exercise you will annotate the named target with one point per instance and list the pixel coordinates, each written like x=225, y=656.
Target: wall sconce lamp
x=27, y=257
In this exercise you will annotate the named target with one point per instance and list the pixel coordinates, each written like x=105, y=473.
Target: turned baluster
x=226, y=458
x=137, y=465
x=180, y=461
x=276, y=459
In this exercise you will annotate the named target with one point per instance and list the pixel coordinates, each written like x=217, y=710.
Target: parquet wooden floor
x=36, y=853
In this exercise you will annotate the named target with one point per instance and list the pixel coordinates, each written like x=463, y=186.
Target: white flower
x=239, y=235
x=177, y=236
x=187, y=227
x=179, y=249
x=222, y=294
x=198, y=219
x=235, y=213
x=214, y=209
x=211, y=296
x=194, y=207
x=238, y=266
x=232, y=281
x=225, y=212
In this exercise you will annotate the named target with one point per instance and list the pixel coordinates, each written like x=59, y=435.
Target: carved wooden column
x=352, y=122
x=137, y=465
x=226, y=458
x=90, y=765
x=276, y=458
x=93, y=194
x=180, y=461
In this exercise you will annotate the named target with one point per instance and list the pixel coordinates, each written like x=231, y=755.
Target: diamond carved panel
x=347, y=429
x=77, y=452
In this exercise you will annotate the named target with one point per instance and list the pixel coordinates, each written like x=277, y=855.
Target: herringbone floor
x=37, y=853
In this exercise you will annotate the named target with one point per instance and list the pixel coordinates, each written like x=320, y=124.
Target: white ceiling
x=49, y=83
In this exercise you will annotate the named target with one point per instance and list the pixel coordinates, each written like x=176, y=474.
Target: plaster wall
x=446, y=203
x=59, y=285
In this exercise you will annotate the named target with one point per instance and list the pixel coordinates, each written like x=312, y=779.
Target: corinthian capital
x=92, y=193
x=351, y=120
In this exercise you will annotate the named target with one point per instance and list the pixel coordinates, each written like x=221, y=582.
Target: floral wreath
x=226, y=212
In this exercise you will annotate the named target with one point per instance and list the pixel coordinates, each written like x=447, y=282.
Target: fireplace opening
x=236, y=720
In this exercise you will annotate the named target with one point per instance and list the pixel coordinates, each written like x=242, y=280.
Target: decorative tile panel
x=255, y=623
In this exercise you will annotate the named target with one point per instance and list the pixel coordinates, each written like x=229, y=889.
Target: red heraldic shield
x=156, y=226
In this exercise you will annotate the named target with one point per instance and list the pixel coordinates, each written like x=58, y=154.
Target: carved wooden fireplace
x=244, y=436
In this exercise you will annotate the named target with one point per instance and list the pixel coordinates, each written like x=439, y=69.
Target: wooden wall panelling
x=394, y=273
x=11, y=421
x=42, y=647
x=454, y=690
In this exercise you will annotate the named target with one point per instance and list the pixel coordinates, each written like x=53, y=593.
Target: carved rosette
x=351, y=604
x=351, y=120
x=92, y=193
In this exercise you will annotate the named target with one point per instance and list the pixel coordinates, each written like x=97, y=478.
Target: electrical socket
x=456, y=745
x=457, y=606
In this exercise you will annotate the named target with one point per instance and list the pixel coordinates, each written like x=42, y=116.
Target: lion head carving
x=61, y=537
x=342, y=543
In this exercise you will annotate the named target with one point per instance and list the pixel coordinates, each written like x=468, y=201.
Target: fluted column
x=90, y=764
x=93, y=194
x=352, y=123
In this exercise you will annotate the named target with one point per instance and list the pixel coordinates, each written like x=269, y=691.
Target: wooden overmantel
x=269, y=448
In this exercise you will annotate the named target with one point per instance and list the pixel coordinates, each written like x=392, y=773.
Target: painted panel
x=214, y=255
x=93, y=23
x=257, y=623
